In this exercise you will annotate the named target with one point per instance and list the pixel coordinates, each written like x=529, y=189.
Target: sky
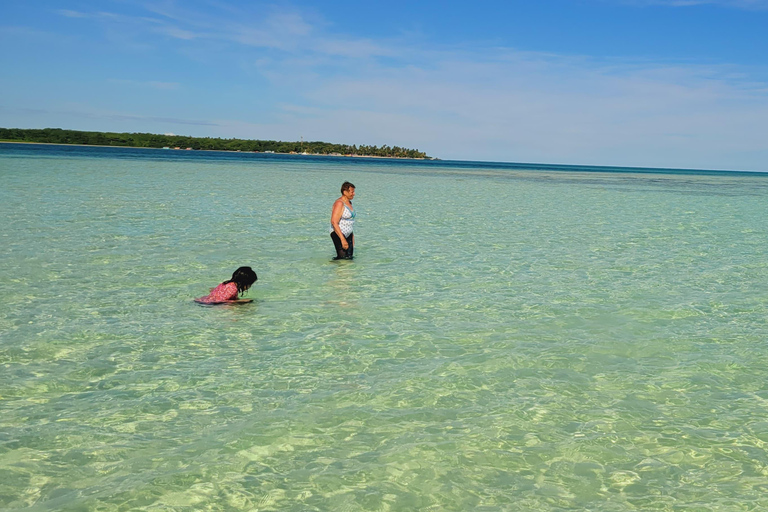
x=648, y=83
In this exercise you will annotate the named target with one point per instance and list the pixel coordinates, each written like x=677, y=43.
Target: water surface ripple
x=506, y=339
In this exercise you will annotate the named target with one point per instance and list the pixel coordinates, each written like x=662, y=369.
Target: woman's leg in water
x=341, y=253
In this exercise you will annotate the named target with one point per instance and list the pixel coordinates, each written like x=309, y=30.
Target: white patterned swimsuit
x=346, y=221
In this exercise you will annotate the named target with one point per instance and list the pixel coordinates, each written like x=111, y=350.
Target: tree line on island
x=152, y=140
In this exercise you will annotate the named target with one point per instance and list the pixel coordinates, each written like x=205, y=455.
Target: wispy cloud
x=540, y=107
x=734, y=4
x=473, y=100
x=133, y=25
x=156, y=119
x=283, y=29
x=163, y=86
x=73, y=14
x=86, y=112
x=176, y=32
x=103, y=16
x=25, y=32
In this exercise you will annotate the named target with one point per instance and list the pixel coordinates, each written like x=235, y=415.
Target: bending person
x=228, y=291
x=342, y=220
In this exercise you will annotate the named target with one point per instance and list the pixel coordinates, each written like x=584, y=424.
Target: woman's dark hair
x=346, y=186
x=243, y=277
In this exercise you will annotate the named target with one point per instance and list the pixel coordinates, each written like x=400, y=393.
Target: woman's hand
x=344, y=243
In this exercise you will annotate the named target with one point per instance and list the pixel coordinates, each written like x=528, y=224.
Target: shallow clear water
x=504, y=339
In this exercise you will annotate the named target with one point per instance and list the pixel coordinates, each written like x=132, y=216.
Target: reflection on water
x=342, y=281
x=503, y=340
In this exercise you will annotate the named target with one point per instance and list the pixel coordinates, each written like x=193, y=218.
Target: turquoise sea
x=508, y=337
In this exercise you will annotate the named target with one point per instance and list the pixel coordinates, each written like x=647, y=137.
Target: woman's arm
x=338, y=210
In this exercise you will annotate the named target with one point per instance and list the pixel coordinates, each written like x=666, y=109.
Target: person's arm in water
x=338, y=210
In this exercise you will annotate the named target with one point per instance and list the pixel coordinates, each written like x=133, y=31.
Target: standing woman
x=342, y=220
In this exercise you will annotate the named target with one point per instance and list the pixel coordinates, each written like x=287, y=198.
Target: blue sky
x=660, y=83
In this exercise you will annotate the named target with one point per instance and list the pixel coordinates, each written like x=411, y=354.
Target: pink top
x=222, y=293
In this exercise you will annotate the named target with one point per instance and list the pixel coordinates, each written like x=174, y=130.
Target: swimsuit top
x=346, y=221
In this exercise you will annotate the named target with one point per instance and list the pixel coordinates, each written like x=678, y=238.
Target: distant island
x=153, y=140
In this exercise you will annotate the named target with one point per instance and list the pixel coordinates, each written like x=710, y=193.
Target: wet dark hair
x=243, y=277
x=346, y=186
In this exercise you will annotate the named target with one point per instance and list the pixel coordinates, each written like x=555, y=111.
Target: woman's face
x=349, y=193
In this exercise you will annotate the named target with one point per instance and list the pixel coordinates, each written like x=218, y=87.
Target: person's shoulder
x=226, y=286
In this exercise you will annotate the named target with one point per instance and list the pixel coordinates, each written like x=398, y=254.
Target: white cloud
x=482, y=102
x=505, y=105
